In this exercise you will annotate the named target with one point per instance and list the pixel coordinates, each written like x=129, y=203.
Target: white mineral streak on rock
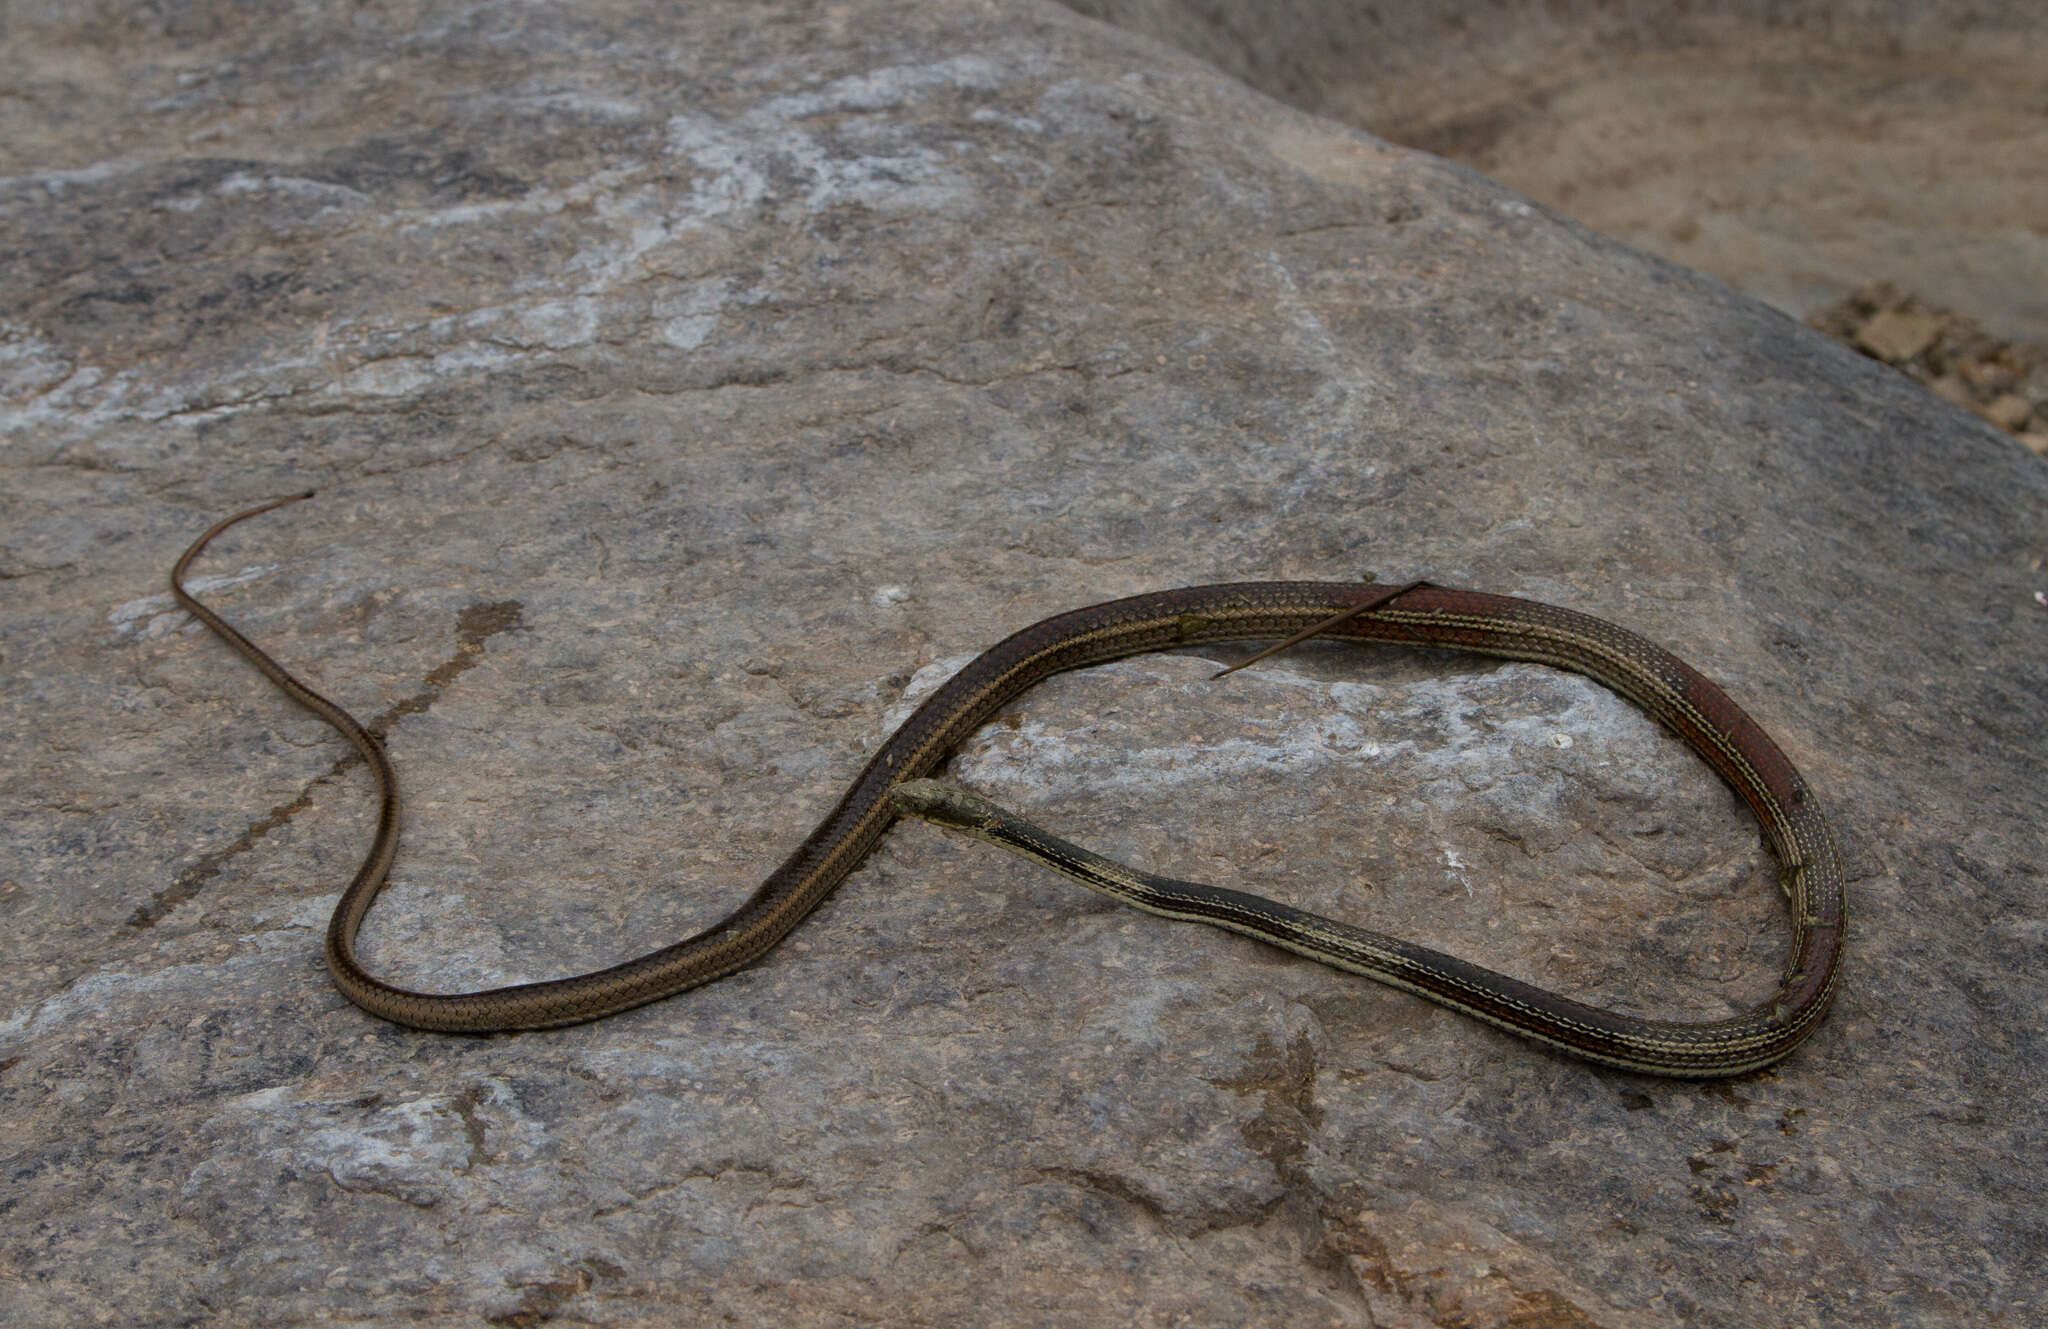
x=419, y=1150
x=120, y=995
x=927, y=680
x=574, y=305
x=1313, y=724
x=29, y=365
x=155, y=614
x=687, y=318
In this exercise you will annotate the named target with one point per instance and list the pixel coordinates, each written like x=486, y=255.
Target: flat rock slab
x=690, y=388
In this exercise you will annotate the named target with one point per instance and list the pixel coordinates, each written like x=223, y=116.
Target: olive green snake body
x=894, y=782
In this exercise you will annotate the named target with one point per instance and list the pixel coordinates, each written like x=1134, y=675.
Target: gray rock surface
x=688, y=388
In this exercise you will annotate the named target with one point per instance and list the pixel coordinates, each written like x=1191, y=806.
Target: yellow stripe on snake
x=894, y=782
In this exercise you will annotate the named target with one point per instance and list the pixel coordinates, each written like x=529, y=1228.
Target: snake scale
x=1665, y=687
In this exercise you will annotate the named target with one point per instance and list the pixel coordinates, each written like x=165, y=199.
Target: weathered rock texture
x=687, y=387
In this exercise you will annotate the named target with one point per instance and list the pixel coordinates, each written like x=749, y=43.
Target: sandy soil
x=1797, y=170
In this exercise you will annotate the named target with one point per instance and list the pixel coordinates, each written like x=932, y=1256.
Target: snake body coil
x=1664, y=686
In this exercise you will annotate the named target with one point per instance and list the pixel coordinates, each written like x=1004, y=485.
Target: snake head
x=946, y=804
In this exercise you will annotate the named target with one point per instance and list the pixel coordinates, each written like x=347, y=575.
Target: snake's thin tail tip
x=284, y=501
x=1382, y=595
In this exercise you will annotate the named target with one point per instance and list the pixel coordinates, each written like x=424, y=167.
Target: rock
x=1953, y=389
x=2009, y=411
x=1897, y=335
x=687, y=389
x=1945, y=350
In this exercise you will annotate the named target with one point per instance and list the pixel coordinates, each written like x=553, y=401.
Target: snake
x=896, y=782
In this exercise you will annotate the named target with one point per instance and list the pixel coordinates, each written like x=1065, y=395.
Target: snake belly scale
x=1692, y=707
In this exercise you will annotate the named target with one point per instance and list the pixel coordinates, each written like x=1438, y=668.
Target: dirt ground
x=1888, y=197
x=1797, y=169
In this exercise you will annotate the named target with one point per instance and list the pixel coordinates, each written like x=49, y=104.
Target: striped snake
x=894, y=782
